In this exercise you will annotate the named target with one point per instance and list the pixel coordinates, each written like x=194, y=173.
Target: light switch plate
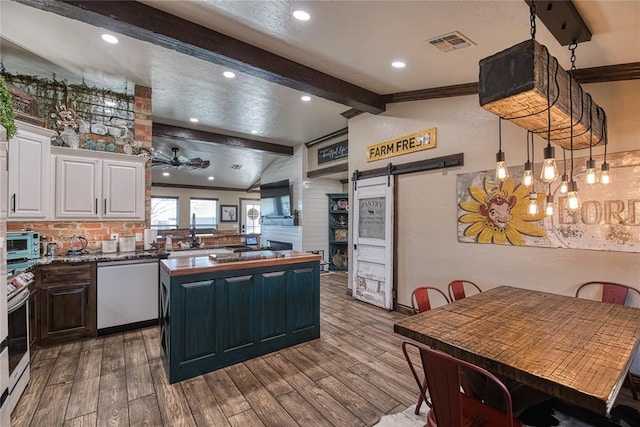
x=114, y=236
x=138, y=237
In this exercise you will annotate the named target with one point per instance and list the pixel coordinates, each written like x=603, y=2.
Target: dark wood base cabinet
x=66, y=296
x=215, y=319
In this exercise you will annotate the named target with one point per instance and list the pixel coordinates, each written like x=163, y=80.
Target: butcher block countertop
x=210, y=264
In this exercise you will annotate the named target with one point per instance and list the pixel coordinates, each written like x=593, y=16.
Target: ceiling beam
x=154, y=26
x=609, y=73
x=563, y=20
x=175, y=132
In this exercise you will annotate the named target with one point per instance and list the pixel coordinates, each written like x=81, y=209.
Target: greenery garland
x=7, y=113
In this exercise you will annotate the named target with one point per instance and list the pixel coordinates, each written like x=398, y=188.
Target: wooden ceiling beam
x=154, y=26
x=191, y=135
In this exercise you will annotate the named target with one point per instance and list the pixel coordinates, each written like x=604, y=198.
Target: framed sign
x=228, y=213
x=336, y=151
x=423, y=140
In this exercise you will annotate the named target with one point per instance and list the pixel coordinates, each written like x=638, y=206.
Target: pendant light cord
x=590, y=128
x=499, y=134
x=572, y=49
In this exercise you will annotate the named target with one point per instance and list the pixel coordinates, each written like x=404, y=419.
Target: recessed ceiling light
x=398, y=64
x=301, y=15
x=254, y=132
x=306, y=98
x=193, y=120
x=210, y=178
x=229, y=74
x=109, y=38
x=165, y=174
x=110, y=103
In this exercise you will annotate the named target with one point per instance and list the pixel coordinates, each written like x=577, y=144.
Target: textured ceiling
x=352, y=40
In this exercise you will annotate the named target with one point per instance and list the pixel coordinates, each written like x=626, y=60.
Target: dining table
x=574, y=349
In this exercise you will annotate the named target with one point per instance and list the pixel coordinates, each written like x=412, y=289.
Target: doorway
x=250, y=216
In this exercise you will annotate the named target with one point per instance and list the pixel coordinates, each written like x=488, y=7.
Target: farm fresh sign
x=419, y=141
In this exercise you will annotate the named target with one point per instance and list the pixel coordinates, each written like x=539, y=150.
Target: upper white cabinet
x=3, y=179
x=28, y=158
x=98, y=185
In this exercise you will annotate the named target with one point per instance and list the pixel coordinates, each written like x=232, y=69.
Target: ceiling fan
x=179, y=161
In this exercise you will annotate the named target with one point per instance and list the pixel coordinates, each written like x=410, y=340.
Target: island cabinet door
x=236, y=315
x=194, y=324
x=272, y=315
x=304, y=302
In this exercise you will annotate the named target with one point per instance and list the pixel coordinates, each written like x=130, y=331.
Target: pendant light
x=564, y=184
x=527, y=176
x=549, y=171
x=604, y=175
x=532, y=208
x=501, y=169
x=573, y=202
x=591, y=164
x=548, y=206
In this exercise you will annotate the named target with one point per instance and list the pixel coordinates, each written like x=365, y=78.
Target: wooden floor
x=351, y=376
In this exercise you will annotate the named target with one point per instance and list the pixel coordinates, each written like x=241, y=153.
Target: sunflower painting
x=497, y=213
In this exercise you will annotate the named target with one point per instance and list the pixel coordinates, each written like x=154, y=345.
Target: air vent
x=451, y=41
x=234, y=166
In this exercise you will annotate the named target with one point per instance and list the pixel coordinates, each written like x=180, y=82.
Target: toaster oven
x=23, y=248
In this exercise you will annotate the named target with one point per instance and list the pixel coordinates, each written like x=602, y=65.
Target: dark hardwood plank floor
x=119, y=380
x=354, y=374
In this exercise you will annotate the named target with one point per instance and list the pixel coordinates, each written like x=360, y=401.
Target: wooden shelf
x=338, y=230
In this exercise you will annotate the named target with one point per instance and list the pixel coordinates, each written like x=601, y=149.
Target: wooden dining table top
x=574, y=349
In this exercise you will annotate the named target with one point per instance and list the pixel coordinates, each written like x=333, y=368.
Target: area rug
x=407, y=418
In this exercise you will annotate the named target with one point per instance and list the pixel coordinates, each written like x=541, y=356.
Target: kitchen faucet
x=192, y=230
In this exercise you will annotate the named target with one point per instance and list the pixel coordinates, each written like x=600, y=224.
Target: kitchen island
x=223, y=309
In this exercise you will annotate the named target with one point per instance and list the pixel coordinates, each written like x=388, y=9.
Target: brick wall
x=95, y=232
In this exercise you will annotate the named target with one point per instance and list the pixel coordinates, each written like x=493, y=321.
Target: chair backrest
x=453, y=407
x=614, y=293
x=420, y=300
x=456, y=289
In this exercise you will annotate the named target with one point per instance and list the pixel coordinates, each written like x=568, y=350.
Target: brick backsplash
x=95, y=232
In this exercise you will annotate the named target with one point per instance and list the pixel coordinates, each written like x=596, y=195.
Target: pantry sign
x=418, y=141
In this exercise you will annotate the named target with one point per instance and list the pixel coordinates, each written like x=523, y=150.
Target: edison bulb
x=548, y=207
x=591, y=171
x=501, y=169
x=564, y=185
x=573, y=201
x=604, y=176
x=527, y=177
x=549, y=168
x=533, y=204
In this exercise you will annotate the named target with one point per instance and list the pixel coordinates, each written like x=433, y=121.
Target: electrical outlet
x=138, y=237
x=114, y=236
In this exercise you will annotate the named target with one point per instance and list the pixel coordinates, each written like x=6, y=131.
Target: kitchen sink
x=246, y=256
x=198, y=252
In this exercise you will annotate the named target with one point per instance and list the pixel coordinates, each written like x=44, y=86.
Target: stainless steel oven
x=18, y=325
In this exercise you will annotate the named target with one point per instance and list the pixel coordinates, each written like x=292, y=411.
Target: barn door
x=373, y=241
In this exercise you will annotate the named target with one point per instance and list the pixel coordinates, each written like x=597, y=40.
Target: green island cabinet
x=215, y=315
x=338, y=231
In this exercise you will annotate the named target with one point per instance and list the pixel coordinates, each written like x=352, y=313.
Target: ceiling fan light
x=210, y=178
x=165, y=174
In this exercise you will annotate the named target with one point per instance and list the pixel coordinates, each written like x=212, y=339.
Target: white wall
x=185, y=194
x=315, y=231
x=286, y=168
x=428, y=252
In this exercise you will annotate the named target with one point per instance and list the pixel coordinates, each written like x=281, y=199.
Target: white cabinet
x=3, y=180
x=29, y=156
x=97, y=185
x=123, y=189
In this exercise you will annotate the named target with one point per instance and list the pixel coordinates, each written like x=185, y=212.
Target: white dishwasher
x=127, y=292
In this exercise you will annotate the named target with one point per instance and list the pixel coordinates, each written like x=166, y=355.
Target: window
x=205, y=211
x=164, y=212
x=252, y=218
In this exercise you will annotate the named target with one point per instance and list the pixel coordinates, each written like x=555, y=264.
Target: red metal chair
x=420, y=300
x=456, y=289
x=450, y=405
x=614, y=293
